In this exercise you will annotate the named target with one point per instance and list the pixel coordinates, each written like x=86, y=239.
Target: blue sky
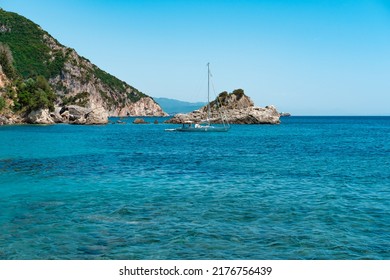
x=305, y=57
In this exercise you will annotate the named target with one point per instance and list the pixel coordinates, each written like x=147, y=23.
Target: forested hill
x=30, y=58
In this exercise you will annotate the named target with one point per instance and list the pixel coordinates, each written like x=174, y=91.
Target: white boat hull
x=207, y=128
x=202, y=129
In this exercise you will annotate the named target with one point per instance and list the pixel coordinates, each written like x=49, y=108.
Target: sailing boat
x=206, y=125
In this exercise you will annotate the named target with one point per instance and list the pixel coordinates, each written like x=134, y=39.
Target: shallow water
x=310, y=188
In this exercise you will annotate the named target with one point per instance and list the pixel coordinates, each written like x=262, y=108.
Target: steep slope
x=74, y=79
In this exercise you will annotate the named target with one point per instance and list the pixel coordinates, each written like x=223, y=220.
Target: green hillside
x=31, y=55
x=28, y=52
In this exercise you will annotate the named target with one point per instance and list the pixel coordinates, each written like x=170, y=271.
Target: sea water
x=309, y=188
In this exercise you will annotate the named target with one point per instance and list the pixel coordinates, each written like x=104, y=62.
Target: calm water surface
x=310, y=188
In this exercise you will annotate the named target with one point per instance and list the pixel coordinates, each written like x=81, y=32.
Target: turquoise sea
x=309, y=188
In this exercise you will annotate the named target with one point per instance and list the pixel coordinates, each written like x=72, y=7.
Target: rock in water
x=139, y=121
x=236, y=108
x=56, y=116
x=76, y=111
x=79, y=115
x=97, y=116
x=256, y=115
x=41, y=116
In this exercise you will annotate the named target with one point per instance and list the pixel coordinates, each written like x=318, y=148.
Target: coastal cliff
x=235, y=108
x=37, y=73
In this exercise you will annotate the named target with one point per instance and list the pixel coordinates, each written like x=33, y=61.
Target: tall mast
x=208, y=92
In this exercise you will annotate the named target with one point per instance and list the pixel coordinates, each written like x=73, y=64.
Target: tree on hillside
x=34, y=94
x=7, y=61
x=2, y=103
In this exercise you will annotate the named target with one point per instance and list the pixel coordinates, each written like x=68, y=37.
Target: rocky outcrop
x=146, y=106
x=255, y=115
x=71, y=114
x=235, y=108
x=74, y=114
x=97, y=116
x=81, y=82
x=56, y=116
x=9, y=119
x=41, y=116
x=140, y=121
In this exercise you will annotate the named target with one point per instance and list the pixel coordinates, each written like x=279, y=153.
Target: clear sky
x=305, y=57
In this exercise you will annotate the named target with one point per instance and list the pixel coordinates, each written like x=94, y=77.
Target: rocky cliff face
x=82, y=83
x=146, y=106
x=74, y=79
x=235, y=108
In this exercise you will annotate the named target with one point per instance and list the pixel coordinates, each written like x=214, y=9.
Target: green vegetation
x=135, y=95
x=116, y=85
x=55, y=67
x=80, y=99
x=28, y=95
x=7, y=61
x=239, y=93
x=223, y=97
x=28, y=62
x=34, y=94
x=25, y=39
x=30, y=57
x=109, y=80
x=2, y=103
x=110, y=101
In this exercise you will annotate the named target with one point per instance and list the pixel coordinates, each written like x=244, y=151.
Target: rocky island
x=44, y=82
x=235, y=108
